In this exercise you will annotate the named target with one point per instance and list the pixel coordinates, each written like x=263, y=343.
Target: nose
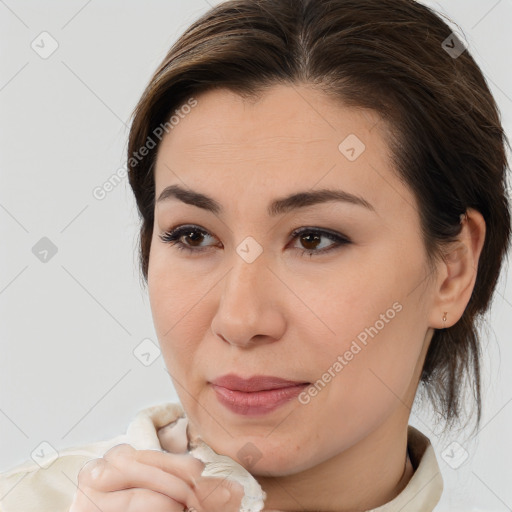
x=250, y=309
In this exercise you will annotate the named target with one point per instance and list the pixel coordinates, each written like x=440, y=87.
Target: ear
x=457, y=273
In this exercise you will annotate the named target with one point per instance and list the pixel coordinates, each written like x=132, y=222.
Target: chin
x=262, y=458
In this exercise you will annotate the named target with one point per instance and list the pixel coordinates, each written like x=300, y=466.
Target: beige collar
x=424, y=489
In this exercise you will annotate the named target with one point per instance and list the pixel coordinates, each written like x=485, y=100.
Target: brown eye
x=311, y=238
x=189, y=233
x=310, y=241
x=195, y=236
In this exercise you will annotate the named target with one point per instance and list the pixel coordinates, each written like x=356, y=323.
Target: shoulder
x=49, y=481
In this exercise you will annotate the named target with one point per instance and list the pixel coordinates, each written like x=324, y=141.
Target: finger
x=139, y=500
x=217, y=495
x=90, y=472
x=120, y=473
x=183, y=465
x=236, y=490
x=210, y=495
x=127, y=500
x=190, y=468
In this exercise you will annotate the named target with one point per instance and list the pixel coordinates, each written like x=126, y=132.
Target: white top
x=49, y=484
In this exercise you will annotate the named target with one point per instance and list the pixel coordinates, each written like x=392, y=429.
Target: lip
x=257, y=395
x=256, y=383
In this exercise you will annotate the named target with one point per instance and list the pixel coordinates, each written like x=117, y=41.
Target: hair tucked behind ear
x=447, y=141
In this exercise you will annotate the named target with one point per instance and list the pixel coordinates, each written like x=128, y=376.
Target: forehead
x=289, y=137
x=282, y=118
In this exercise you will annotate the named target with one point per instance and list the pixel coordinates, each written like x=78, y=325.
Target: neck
x=367, y=475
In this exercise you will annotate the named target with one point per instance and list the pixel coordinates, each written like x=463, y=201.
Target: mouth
x=257, y=395
x=256, y=383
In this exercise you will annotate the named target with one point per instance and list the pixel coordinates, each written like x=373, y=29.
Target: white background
x=69, y=326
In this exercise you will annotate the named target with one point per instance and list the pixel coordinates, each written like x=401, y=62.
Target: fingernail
x=226, y=495
x=96, y=471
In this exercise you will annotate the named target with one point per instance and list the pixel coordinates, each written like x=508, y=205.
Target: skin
x=290, y=315
x=126, y=479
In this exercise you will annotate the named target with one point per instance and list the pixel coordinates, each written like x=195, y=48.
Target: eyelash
x=173, y=236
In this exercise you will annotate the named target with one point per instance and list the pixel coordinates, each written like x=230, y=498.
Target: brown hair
x=445, y=133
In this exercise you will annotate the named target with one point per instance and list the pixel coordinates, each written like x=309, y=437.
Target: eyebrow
x=279, y=206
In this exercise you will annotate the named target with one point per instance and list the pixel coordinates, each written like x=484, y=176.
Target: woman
x=321, y=187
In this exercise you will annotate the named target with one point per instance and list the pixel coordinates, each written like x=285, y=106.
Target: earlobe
x=459, y=266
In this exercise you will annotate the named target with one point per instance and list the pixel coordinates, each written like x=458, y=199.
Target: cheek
x=374, y=369
x=172, y=292
x=373, y=340
x=181, y=316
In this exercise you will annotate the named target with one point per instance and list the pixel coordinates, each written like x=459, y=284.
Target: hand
x=130, y=480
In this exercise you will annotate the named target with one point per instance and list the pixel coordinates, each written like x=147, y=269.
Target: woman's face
x=351, y=318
